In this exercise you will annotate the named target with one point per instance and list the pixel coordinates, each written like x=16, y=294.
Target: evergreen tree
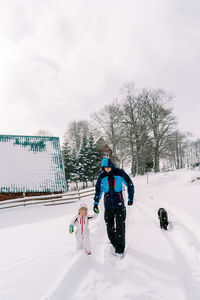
x=67, y=160
x=75, y=167
x=94, y=159
x=83, y=161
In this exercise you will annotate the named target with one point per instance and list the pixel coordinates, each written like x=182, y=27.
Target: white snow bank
x=38, y=259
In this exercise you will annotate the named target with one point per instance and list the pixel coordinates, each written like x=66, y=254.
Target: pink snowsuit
x=82, y=231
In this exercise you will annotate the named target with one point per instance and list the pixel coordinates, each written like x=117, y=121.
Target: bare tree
x=108, y=119
x=194, y=153
x=175, y=149
x=134, y=130
x=43, y=132
x=75, y=132
x=160, y=120
x=197, y=149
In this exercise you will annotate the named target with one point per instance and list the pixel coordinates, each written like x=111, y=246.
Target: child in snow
x=82, y=232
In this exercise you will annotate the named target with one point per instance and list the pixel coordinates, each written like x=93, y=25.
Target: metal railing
x=48, y=200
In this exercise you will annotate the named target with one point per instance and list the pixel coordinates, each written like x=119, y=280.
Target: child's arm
x=92, y=217
x=74, y=220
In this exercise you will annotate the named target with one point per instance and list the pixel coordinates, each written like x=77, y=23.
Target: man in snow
x=110, y=182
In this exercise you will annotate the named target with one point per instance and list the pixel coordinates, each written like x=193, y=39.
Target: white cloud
x=64, y=59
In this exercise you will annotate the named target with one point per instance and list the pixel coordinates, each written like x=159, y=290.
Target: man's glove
x=96, y=209
x=130, y=202
x=71, y=228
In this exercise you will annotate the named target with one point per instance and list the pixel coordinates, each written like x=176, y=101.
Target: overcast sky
x=62, y=60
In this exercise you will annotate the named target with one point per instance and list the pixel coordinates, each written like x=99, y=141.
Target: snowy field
x=38, y=259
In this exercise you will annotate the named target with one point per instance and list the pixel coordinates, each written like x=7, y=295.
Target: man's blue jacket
x=111, y=184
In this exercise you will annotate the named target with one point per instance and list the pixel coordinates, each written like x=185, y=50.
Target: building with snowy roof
x=30, y=165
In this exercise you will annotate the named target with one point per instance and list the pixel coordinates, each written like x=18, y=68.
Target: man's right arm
x=98, y=193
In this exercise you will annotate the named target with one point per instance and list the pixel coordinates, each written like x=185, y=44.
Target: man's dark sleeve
x=128, y=182
x=98, y=191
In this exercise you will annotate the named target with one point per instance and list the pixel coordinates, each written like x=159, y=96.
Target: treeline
x=81, y=156
x=141, y=130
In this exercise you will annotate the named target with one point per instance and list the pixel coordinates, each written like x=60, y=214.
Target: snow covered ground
x=38, y=259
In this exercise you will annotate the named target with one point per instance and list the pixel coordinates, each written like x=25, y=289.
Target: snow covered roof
x=31, y=164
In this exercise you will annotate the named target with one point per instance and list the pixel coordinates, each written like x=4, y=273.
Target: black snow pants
x=115, y=222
